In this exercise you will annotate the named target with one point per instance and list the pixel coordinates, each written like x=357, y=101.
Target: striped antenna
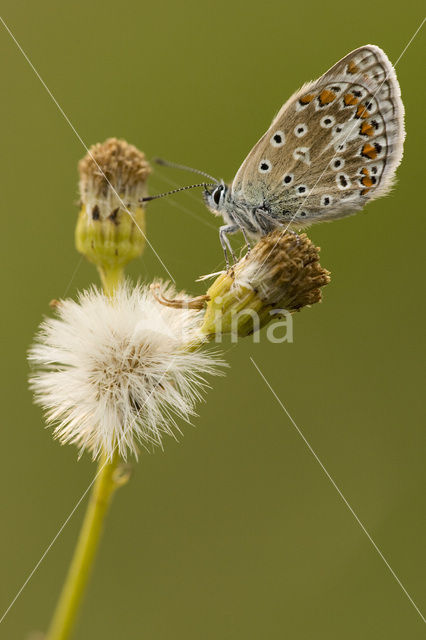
x=169, y=193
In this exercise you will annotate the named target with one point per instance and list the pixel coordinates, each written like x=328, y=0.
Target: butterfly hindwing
x=333, y=146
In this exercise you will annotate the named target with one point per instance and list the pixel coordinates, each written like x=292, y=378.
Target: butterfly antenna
x=174, y=165
x=169, y=193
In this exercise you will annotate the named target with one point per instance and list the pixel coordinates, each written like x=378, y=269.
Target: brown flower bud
x=281, y=273
x=111, y=225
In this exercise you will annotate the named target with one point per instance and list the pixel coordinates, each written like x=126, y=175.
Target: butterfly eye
x=216, y=195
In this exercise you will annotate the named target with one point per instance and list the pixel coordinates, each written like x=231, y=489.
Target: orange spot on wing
x=352, y=68
x=367, y=181
x=364, y=192
x=369, y=151
x=365, y=171
x=326, y=96
x=362, y=111
x=349, y=99
x=307, y=99
x=367, y=129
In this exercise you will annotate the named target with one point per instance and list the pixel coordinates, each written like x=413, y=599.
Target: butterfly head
x=215, y=197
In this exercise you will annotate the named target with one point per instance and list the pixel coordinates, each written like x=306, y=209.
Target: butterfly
x=333, y=146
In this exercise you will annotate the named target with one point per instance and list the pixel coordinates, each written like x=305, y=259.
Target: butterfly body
x=333, y=146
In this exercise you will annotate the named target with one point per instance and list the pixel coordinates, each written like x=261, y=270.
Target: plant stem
x=107, y=480
x=105, y=484
x=111, y=278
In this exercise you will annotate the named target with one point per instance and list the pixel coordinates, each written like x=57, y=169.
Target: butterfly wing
x=333, y=146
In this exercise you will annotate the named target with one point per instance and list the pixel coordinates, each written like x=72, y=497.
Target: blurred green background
x=234, y=532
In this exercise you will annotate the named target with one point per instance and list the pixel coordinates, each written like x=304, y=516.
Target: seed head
x=113, y=372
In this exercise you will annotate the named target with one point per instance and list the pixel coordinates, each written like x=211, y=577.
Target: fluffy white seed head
x=116, y=372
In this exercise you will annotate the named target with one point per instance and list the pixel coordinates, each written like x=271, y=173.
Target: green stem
x=105, y=484
x=111, y=278
x=107, y=480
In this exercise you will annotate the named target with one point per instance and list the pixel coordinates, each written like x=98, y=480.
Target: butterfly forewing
x=333, y=146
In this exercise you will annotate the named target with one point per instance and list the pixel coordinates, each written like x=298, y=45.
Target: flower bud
x=111, y=224
x=282, y=273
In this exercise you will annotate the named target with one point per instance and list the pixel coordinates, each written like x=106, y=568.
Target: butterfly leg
x=224, y=241
x=264, y=220
x=293, y=233
x=246, y=240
